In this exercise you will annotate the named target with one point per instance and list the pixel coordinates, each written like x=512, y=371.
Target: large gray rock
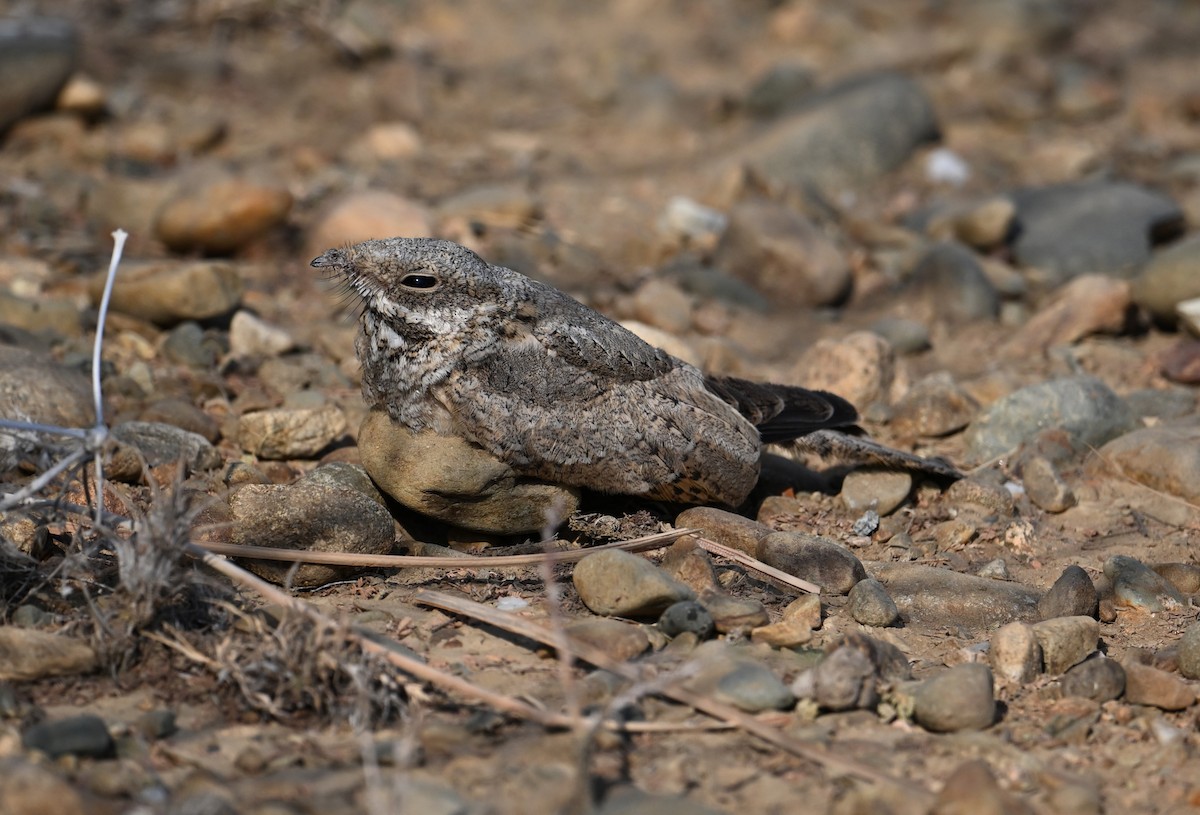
x=37, y=55
x=1092, y=226
x=927, y=595
x=1083, y=406
x=35, y=388
x=847, y=135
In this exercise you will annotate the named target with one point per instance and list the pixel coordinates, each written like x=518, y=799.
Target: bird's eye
x=420, y=281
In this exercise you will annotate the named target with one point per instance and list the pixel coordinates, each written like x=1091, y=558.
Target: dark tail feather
x=859, y=450
x=784, y=412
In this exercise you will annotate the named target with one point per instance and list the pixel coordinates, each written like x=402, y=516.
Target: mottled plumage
x=452, y=344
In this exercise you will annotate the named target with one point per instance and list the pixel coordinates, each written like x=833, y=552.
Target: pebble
x=783, y=86
x=431, y=474
x=1146, y=685
x=959, y=698
x=619, y=640
x=730, y=613
x=934, y=406
x=948, y=284
x=1066, y=641
x=37, y=55
x=1090, y=226
x=29, y=788
x=836, y=141
x=251, y=336
x=43, y=316
x=904, y=335
x=36, y=388
x=783, y=255
x=726, y=528
x=691, y=565
x=1171, y=277
x=687, y=616
x=830, y=565
x=1045, y=487
x=152, y=444
x=190, y=345
x=286, y=434
x=1083, y=406
x=1073, y=594
x=1015, y=654
x=361, y=216
x=1163, y=403
x=927, y=595
x=1163, y=458
x=800, y=618
x=1183, y=576
x=984, y=491
x=860, y=367
x=614, y=583
x=881, y=490
x=1089, y=304
x=1189, y=652
x=219, y=216
x=972, y=788
x=870, y=604
x=84, y=735
x=1136, y=585
x=981, y=225
x=994, y=569
x=664, y=305
x=308, y=517
x=846, y=679
x=746, y=684
x=183, y=415
x=28, y=654
x=1100, y=679
x=169, y=292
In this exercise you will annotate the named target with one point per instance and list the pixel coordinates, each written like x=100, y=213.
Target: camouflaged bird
x=452, y=344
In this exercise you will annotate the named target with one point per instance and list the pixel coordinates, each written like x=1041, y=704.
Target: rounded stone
x=1099, y=679
x=959, y=698
x=82, y=735
x=621, y=641
x=881, y=490
x=221, y=216
x=35, y=388
x=614, y=583
x=1146, y=685
x=831, y=566
x=724, y=527
x=1066, y=641
x=169, y=292
x=1045, y=487
x=1136, y=585
x=743, y=683
x=308, y=517
x=928, y=595
x=687, y=615
x=286, y=434
x=1073, y=594
x=1015, y=654
x=870, y=604
x=361, y=216
x=450, y=479
x=1189, y=652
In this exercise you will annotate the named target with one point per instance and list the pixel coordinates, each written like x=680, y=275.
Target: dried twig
x=757, y=565
x=705, y=704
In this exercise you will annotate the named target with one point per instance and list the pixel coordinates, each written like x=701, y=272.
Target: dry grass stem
x=756, y=565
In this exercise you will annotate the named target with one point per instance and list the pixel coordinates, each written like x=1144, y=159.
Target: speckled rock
x=152, y=444
x=687, y=615
x=309, y=517
x=284, y=434
x=1015, y=654
x=931, y=596
x=1083, y=406
x=1066, y=641
x=870, y=604
x=447, y=478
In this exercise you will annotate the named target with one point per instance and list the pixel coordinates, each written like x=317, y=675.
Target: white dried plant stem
x=100, y=430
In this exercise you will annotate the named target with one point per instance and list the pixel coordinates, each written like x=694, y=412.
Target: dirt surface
x=551, y=137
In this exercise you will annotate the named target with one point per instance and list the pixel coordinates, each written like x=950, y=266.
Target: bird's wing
x=783, y=412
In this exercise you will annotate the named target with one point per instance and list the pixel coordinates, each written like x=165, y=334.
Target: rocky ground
x=975, y=221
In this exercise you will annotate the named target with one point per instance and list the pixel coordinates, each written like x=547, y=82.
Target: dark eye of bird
x=419, y=281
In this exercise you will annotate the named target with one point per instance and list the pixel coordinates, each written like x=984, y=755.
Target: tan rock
x=362, y=216
x=221, y=216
